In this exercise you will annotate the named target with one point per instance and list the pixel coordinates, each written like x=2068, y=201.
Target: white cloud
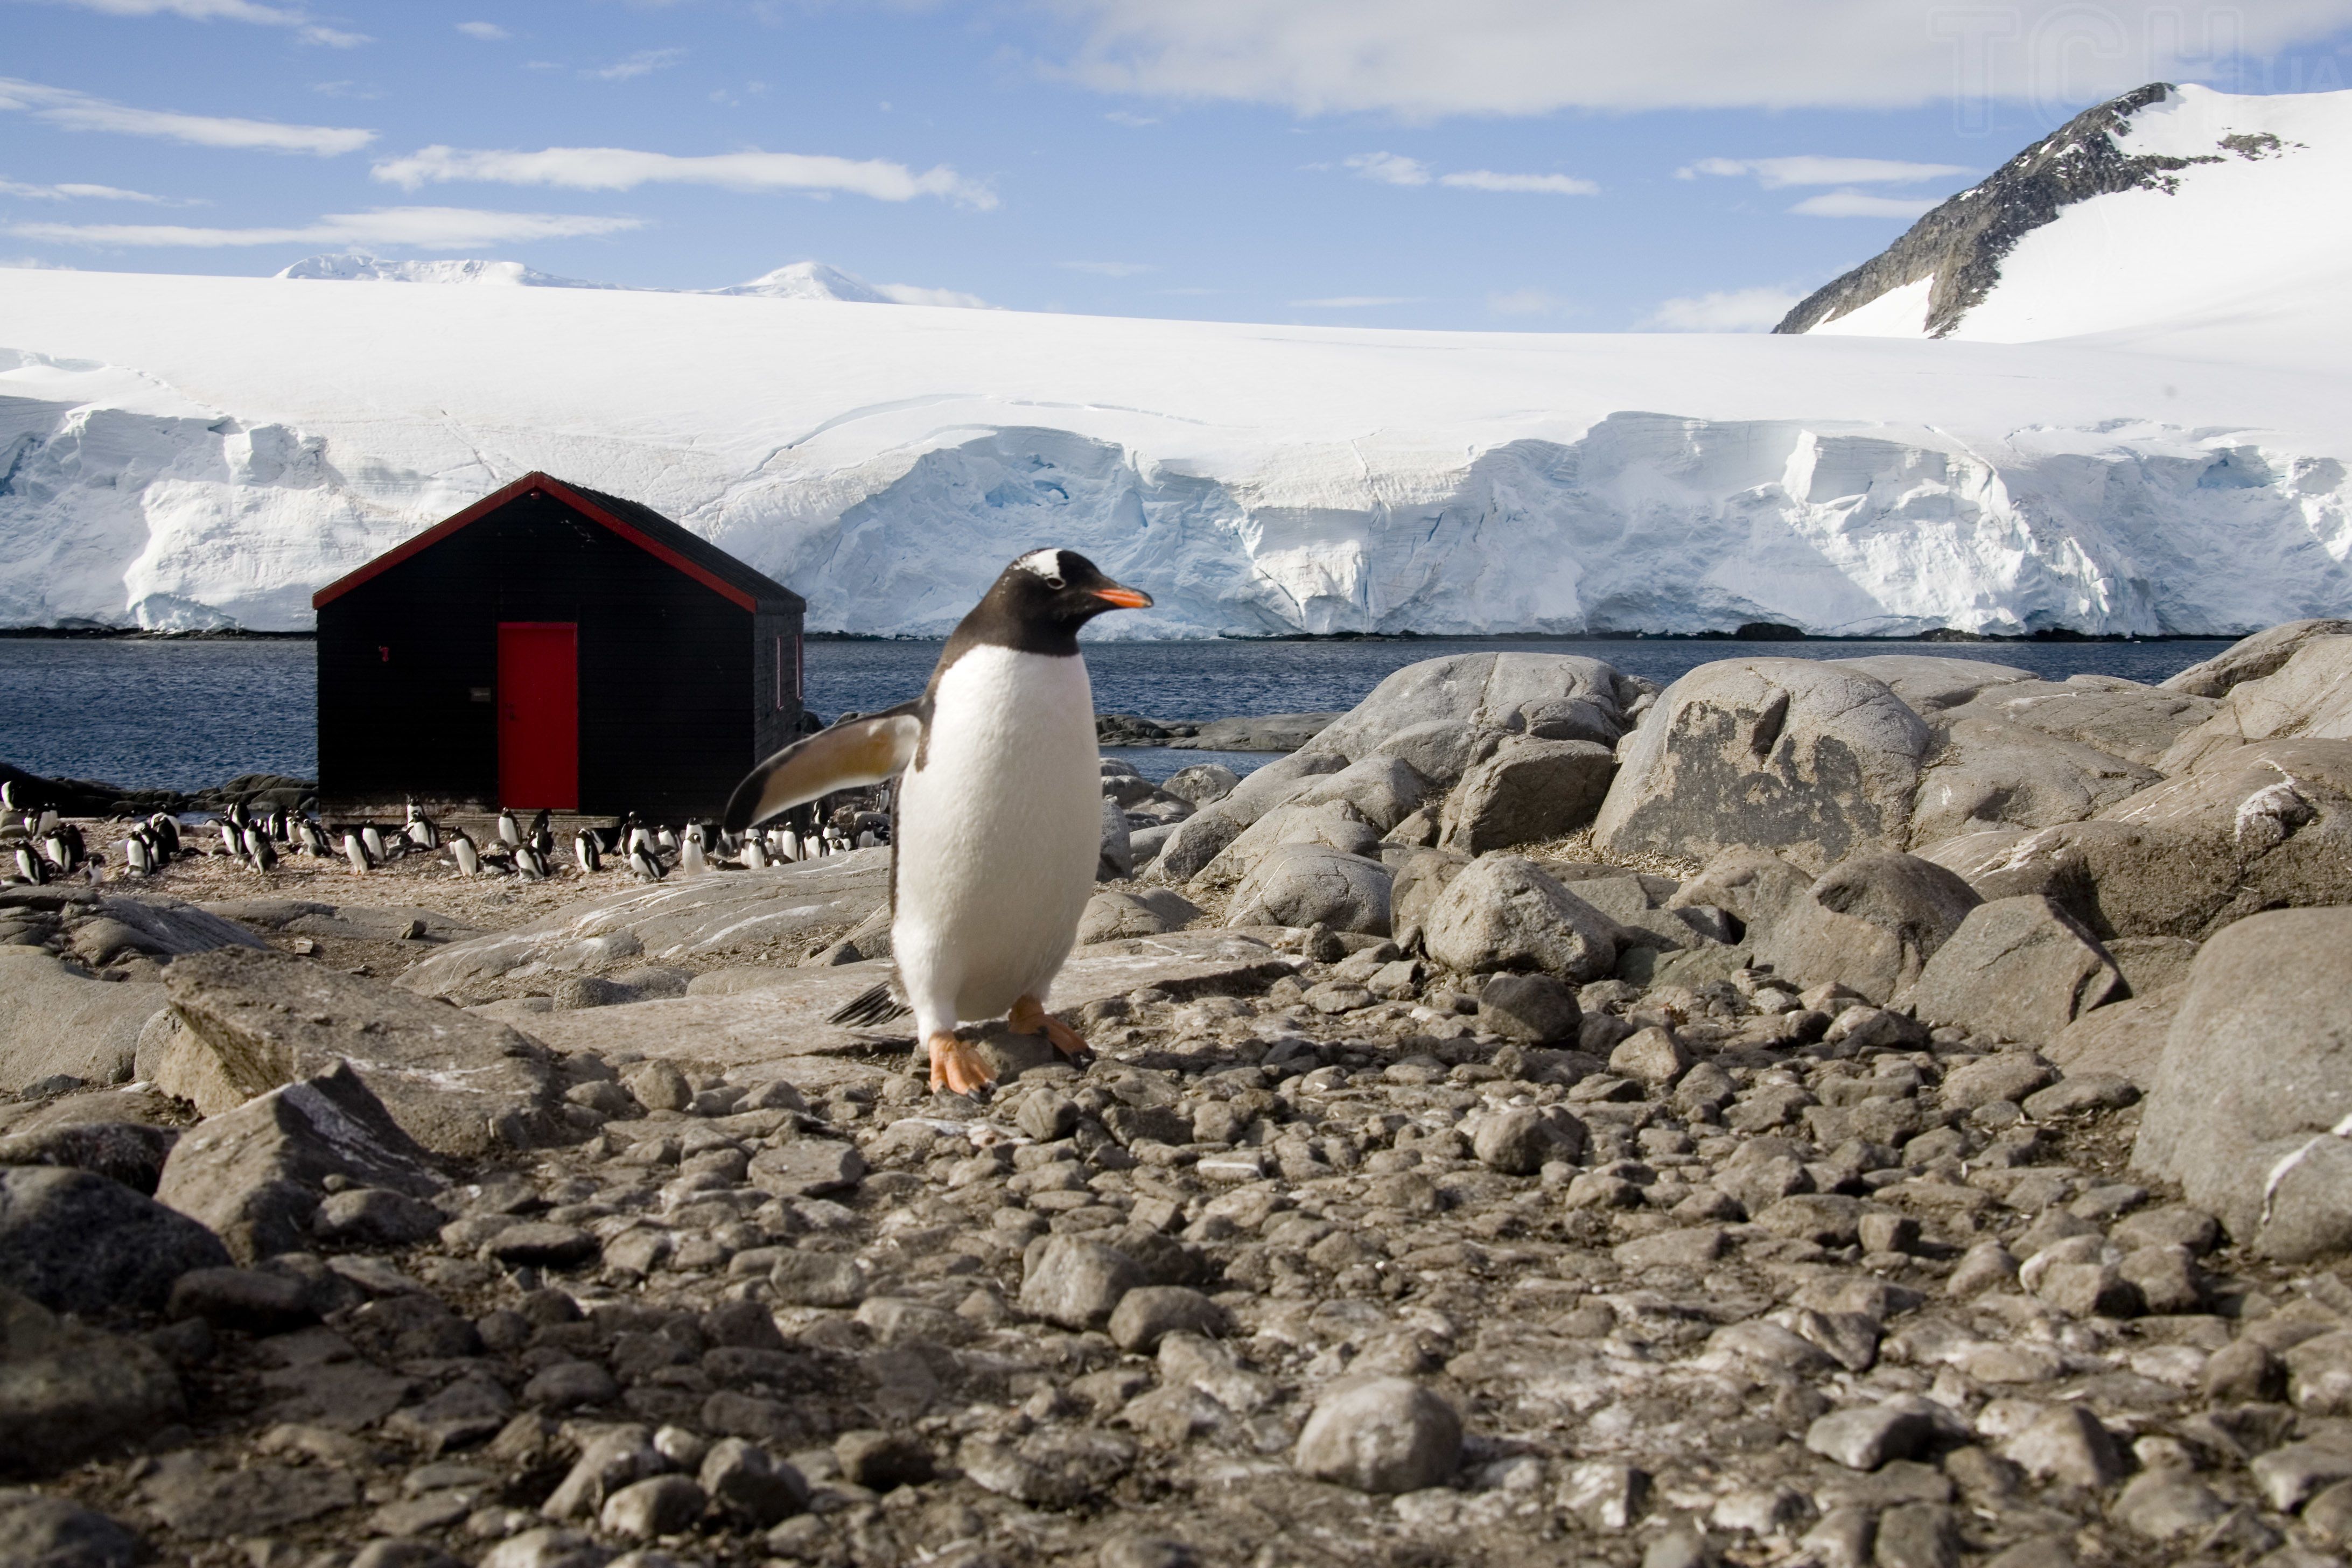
x=1425, y=61
x=915, y=294
x=1355, y=302
x=1525, y=302
x=1390, y=168
x=1133, y=122
x=1857, y=204
x=1729, y=310
x=489, y=32
x=644, y=62
x=79, y=111
x=1110, y=269
x=231, y=11
x=1549, y=184
x=623, y=169
x=71, y=191
x=419, y=228
x=1777, y=173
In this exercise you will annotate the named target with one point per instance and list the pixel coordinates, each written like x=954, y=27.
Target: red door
x=538, y=714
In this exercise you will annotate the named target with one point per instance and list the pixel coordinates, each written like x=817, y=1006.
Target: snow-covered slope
x=188, y=451
x=359, y=267
x=811, y=280
x=2167, y=205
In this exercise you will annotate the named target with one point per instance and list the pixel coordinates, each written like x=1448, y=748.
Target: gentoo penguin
x=644, y=864
x=999, y=822
x=510, y=830
x=691, y=860
x=261, y=849
x=373, y=836
x=137, y=859
x=461, y=850
x=585, y=850
x=754, y=857
x=357, y=853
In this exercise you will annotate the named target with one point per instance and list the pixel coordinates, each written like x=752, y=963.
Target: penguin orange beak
x=1124, y=598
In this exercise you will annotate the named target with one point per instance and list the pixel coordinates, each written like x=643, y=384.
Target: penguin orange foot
x=1029, y=1016
x=956, y=1065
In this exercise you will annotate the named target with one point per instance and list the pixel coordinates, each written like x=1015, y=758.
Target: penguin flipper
x=871, y=1006
x=847, y=756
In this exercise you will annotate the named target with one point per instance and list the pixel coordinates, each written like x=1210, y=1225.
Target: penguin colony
x=46, y=849
x=998, y=822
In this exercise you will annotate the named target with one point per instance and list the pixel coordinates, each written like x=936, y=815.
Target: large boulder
x=76, y=1242
x=1990, y=773
x=2020, y=968
x=1928, y=683
x=2123, y=1039
x=2250, y=659
x=256, y=1174
x=2251, y=1107
x=2308, y=696
x=1441, y=749
x=1528, y=791
x=67, y=1390
x=2259, y=826
x=461, y=1085
x=1208, y=833
x=1313, y=884
x=1418, y=881
x=1809, y=761
x=1871, y=922
x=1256, y=732
x=1333, y=824
x=1485, y=691
x=1113, y=914
x=781, y=911
x=1644, y=909
x=1504, y=912
x=150, y=925
x=1752, y=886
x=1385, y=789
x=55, y=1021
x=2137, y=723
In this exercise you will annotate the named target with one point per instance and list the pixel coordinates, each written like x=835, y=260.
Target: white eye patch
x=1046, y=563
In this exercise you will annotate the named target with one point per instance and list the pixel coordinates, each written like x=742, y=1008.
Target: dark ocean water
x=186, y=715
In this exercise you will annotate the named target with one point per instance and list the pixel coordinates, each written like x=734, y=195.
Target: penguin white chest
x=1000, y=828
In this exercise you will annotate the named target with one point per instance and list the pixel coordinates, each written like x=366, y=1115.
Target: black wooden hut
x=552, y=645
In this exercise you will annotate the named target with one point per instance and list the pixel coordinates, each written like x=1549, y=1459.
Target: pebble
x=1387, y=1434
x=1077, y=1283
x=663, y=1505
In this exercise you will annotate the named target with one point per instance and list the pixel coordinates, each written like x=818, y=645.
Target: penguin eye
x=1055, y=583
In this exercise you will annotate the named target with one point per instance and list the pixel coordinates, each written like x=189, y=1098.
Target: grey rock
x=1202, y=784
x=1989, y=772
x=1383, y=789
x=547, y=1547
x=1535, y=1009
x=880, y=1461
x=256, y=1174
x=1195, y=843
x=1929, y=684
x=1112, y=914
x=1528, y=791
x=2252, y=657
x=243, y=1300
x=1605, y=1494
x=2123, y=1041
x=38, y=1531
x=1652, y=1055
x=1311, y=884
x=67, y=1390
x=2066, y=1443
x=1918, y=1535
x=1519, y=1140
x=1055, y=1468
x=2288, y=1477
x=1331, y=823
x=458, y=1084
x=748, y=912
x=1804, y=759
x=1384, y=1434
x=659, y=1086
x=1276, y=783
x=660, y=1505
x=808, y=1167
x=2254, y=1084
x=1117, y=856
x=1256, y=732
x=745, y=1481
x=2164, y=1505
x=2138, y=724
x=1755, y=887
x=612, y=1461
x=1441, y=749
x=1483, y=690
x=2007, y=1074
x=1870, y=923
x=2306, y=696
x=1506, y=912
x=129, y=1152
x=375, y=1217
x=539, y=1243
x=818, y=1279
x=2263, y=825
x=54, y=1021
x=1077, y=1283
x=76, y=1242
x=191, y=1496
x=1417, y=882
x=1149, y=1313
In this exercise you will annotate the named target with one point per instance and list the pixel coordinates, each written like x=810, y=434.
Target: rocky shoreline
x=1881, y=1111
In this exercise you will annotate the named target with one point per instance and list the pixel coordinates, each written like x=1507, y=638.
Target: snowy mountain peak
x=811, y=280
x=2163, y=206
x=359, y=267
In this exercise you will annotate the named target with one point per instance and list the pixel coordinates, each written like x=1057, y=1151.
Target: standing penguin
x=461, y=850
x=585, y=850
x=999, y=814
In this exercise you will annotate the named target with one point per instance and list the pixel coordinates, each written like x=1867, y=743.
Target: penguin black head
x=1038, y=603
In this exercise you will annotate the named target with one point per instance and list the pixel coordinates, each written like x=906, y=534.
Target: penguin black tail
x=869, y=1007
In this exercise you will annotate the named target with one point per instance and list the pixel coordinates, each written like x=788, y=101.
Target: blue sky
x=1515, y=165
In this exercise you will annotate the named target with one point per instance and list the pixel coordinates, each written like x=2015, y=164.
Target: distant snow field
x=2167, y=456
